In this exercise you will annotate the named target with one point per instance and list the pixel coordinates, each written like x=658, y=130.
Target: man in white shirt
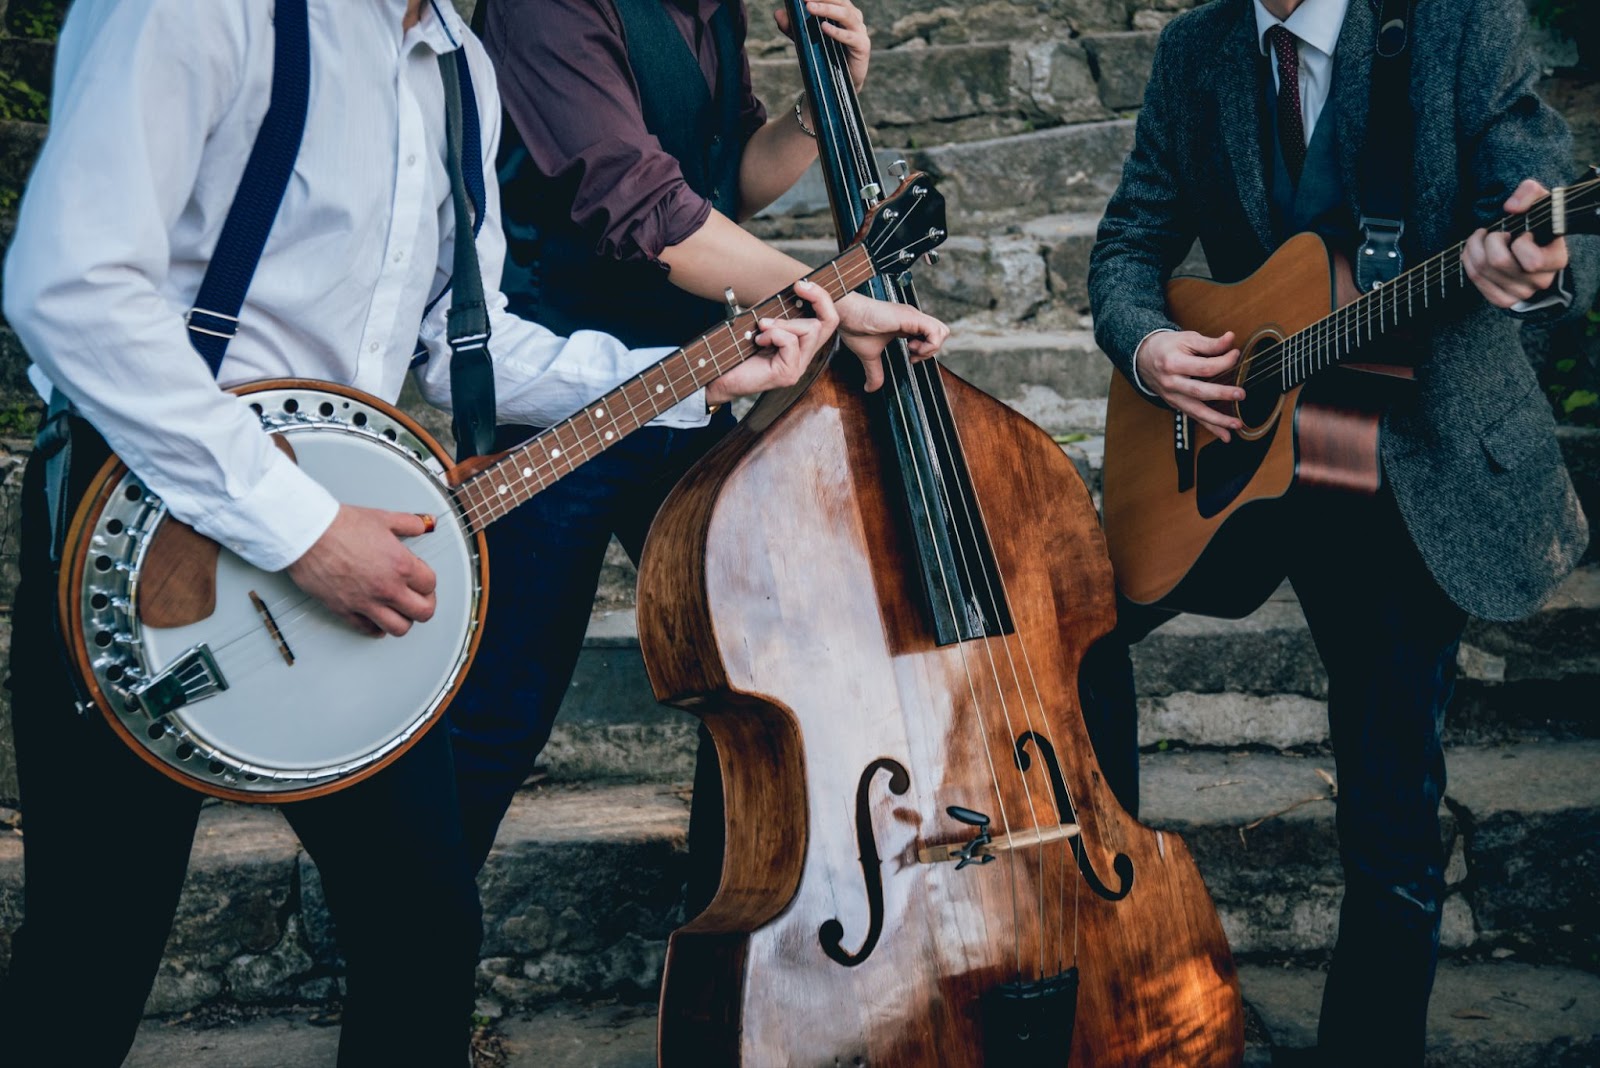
x=157, y=106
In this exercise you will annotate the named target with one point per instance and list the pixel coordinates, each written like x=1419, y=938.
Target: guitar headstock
x=1572, y=209
x=907, y=223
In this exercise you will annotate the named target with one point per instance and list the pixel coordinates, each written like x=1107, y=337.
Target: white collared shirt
x=1316, y=24
x=156, y=107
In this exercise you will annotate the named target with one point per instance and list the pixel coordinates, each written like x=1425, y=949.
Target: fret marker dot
x=661, y=389
x=527, y=472
x=598, y=412
x=749, y=335
x=503, y=488
x=609, y=435
x=702, y=363
x=555, y=452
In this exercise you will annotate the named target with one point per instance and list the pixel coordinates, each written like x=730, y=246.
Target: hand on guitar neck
x=1508, y=271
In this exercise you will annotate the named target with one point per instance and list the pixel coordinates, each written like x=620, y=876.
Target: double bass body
x=778, y=602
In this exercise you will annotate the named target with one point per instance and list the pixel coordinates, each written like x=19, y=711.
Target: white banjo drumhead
x=316, y=695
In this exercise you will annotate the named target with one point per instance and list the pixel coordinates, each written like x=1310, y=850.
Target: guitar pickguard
x=1222, y=471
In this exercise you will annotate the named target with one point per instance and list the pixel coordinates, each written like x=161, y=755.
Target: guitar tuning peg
x=899, y=168
x=932, y=257
x=904, y=279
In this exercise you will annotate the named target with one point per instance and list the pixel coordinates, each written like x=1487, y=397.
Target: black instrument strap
x=472, y=396
x=1386, y=158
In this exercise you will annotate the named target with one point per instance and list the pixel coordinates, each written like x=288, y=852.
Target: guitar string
x=860, y=155
x=920, y=417
x=1342, y=326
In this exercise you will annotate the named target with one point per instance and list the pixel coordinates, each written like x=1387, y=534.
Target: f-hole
x=831, y=933
x=1122, y=864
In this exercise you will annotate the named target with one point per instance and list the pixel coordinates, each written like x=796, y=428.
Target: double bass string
x=860, y=154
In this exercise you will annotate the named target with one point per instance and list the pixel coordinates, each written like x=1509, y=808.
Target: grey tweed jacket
x=1472, y=461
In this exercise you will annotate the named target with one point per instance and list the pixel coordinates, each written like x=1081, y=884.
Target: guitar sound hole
x=1260, y=380
x=1259, y=402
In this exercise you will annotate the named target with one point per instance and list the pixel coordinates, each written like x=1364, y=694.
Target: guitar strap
x=1386, y=158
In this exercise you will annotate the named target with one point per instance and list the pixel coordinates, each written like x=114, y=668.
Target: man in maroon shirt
x=632, y=145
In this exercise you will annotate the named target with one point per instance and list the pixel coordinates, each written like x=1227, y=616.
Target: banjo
x=233, y=681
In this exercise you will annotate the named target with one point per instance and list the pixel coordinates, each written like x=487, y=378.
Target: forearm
x=721, y=254
x=774, y=159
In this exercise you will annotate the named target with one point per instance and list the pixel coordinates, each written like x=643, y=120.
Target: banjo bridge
x=192, y=677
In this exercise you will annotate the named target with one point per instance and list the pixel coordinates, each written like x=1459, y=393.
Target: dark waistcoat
x=1318, y=202
x=552, y=272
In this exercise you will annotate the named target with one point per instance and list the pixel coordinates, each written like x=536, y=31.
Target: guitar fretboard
x=546, y=457
x=1339, y=335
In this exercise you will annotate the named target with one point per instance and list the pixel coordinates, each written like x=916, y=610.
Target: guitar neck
x=1339, y=336
x=557, y=451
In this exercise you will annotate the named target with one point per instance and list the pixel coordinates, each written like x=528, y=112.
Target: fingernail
x=764, y=323
x=805, y=282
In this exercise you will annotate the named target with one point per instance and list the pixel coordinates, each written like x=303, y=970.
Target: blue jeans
x=544, y=562
x=107, y=844
x=1387, y=636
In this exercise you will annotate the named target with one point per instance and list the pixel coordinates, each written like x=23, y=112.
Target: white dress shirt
x=1315, y=24
x=156, y=107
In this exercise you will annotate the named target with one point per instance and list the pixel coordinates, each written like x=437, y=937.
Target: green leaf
x=1565, y=366
x=1580, y=398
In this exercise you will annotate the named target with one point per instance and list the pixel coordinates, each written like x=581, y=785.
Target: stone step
x=988, y=184
x=583, y=886
x=1487, y=1014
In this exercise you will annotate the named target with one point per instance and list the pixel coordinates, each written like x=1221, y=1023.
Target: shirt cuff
x=1135, y=365
x=686, y=414
x=1559, y=295
x=273, y=524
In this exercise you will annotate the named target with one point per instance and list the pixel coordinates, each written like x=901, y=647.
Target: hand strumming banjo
x=233, y=681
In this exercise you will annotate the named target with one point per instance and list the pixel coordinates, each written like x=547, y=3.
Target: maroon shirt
x=566, y=83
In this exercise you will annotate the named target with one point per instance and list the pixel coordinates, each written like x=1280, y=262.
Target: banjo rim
x=69, y=608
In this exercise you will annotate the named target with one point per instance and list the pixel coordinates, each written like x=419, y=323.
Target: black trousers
x=106, y=845
x=1388, y=637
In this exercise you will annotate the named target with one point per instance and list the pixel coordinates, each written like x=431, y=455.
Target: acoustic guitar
x=1186, y=514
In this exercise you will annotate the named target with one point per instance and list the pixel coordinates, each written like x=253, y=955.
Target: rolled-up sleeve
x=566, y=83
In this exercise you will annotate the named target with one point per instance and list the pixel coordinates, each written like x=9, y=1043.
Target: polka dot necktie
x=1291, y=125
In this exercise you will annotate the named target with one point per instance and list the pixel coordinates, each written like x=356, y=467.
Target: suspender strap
x=467, y=324
x=1386, y=161
x=214, y=319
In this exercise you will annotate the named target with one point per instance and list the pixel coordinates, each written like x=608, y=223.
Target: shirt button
x=372, y=347
x=411, y=160
x=399, y=256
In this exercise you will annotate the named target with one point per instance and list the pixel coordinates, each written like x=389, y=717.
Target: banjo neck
x=489, y=488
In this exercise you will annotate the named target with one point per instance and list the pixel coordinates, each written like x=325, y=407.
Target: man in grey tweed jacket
x=1477, y=515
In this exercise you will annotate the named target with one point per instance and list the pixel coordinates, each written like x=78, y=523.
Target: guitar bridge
x=192, y=677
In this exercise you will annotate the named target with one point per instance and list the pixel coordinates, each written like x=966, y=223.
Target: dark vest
x=552, y=273
x=1318, y=201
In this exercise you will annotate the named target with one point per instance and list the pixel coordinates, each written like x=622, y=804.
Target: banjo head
x=271, y=697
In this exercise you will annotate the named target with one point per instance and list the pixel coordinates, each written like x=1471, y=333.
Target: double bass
x=877, y=603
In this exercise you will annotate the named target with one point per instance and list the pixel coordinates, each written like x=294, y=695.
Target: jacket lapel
x=1239, y=104
x=1352, y=85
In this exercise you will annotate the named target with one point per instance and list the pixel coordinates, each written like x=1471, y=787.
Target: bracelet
x=799, y=116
